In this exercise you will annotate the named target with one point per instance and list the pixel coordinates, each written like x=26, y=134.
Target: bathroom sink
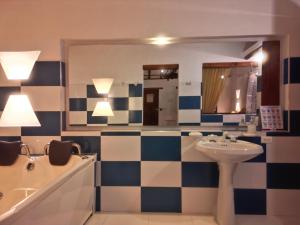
x=226, y=151
x=227, y=154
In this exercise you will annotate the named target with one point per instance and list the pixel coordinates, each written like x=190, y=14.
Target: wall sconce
x=18, y=65
x=237, y=104
x=103, y=109
x=103, y=85
x=18, y=112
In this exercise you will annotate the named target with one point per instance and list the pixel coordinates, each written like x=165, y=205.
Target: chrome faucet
x=27, y=151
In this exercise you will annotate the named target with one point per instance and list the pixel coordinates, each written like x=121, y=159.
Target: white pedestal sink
x=227, y=154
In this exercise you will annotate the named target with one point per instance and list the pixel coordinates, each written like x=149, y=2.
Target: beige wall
x=41, y=24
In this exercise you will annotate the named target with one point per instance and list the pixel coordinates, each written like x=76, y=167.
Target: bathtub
x=47, y=194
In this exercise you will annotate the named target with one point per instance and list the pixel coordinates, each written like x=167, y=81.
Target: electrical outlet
x=266, y=139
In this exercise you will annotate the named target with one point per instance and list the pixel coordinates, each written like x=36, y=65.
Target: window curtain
x=212, y=88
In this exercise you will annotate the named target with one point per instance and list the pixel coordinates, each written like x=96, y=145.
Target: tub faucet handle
x=26, y=148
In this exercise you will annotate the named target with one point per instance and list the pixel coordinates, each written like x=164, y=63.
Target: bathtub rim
x=16, y=211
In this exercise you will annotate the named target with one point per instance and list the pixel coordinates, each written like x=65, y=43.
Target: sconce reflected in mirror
x=103, y=107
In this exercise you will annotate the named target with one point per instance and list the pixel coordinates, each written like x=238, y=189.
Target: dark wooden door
x=151, y=106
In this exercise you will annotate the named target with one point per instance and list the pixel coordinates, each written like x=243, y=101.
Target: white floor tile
x=203, y=220
x=126, y=219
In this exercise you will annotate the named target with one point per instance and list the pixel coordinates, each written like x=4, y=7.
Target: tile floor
x=179, y=219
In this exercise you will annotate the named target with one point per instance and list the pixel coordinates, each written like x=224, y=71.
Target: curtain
x=212, y=88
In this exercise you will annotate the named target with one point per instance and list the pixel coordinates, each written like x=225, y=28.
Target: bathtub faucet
x=27, y=151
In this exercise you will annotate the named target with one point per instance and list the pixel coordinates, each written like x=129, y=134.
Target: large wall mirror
x=176, y=84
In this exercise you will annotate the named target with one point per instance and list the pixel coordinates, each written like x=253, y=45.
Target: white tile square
x=258, y=100
x=45, y=98
x=160, y=133
x=161, y=174
x=121, y=199
x=250, y=175
x=77, y=117
x=120, y=117
x=205, y=220
x=77, y=91
x=189, y=116
x=199, y=200
x=10, y=131
x=283, y=202
x=80, y=133
x=135, y=103
x=294, y=97
x=233, y=118
x=167, y=219
x=91, y=103
x=188, y=151
x=127, y=219
x=283, y=150
x=119, y=90
x=121, y=148
x=37, y=143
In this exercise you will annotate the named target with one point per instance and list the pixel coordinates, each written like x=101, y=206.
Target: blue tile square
x=189, y=102
x=135, y=90
x=256, y=140
x=50, y=125
x=250, y=201
x=10, y=138
x=211, y=118
x=231, y=124
x=295, y=121
x=283, y=175
x=88, y=144
x=161, y=199
x=119, y=103
x=286, y=71
x=189, y=124
x=135, y=116
x=259, y=83
x=200, y=174
x=77, y=104
x=160, y=148
x=5, y=92
x=98, y=199
x=285, y=120
x=63, y=74
x=96, y=119
x=44, y=73
x=120, y=173
x=295, y=70
x=91, y=92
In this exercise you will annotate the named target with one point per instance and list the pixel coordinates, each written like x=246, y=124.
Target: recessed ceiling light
x=161, y=40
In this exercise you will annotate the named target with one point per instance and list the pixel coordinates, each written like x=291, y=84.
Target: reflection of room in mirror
x=230, y=90
x=160, y=95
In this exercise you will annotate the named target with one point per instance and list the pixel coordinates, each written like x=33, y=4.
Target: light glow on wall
x=18, y=112
x=103, y=85
x=161, y=40
x=103, y=108
x=18, y=65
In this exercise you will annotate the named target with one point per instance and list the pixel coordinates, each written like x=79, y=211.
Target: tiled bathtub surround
x=170, y=175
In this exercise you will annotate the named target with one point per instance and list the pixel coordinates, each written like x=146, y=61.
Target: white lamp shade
x=18, y=65
x=103, y=85
x=18, y=112
x=103, y=109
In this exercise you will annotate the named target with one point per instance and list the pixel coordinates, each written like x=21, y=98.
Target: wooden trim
x=161, y=66
x=230, y=64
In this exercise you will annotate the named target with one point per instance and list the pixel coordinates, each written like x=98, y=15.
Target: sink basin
x=227, y=154
x=229, y=151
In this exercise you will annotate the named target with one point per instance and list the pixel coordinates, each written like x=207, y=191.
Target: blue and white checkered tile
x=189, y=110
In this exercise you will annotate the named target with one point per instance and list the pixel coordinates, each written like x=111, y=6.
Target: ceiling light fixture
x=161, y=40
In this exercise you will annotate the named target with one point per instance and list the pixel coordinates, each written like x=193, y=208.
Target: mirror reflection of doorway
x=160, y=95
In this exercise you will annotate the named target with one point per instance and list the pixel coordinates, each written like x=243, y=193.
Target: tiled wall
x=126, y=102
x=161, y=171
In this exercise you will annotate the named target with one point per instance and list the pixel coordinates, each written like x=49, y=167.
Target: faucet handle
x=26, y=148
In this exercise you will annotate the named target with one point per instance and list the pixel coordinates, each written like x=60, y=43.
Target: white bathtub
x=47, y=195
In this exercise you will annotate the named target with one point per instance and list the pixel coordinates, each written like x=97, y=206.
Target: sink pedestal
x=225, y=205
